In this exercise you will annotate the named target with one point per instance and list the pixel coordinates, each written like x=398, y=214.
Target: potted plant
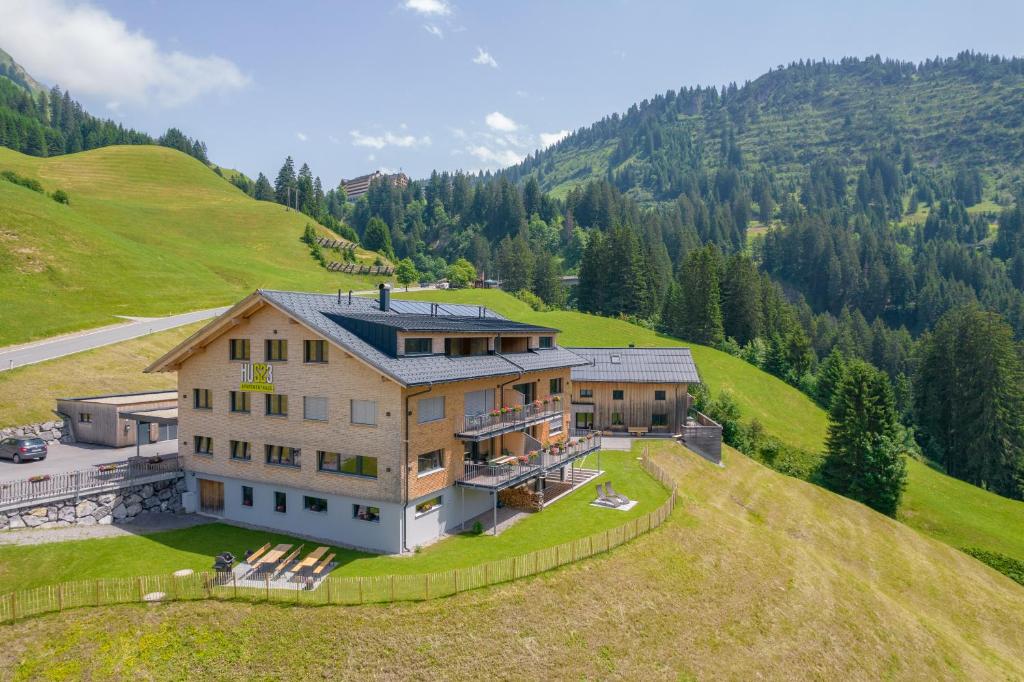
x=523, y=459
x=557, y=398
x=504, y=409
x=39, y=478
x=517, y=408
x=537, y=403
x=495, y=413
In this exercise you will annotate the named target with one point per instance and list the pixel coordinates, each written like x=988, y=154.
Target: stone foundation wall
x=118, y=506
x=57, y=431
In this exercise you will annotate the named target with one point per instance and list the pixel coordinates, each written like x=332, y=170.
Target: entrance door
x=585, y=420
x=529, y=391
x=211, y=496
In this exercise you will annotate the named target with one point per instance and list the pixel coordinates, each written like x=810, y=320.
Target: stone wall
x=52, y=432
x=118, y=506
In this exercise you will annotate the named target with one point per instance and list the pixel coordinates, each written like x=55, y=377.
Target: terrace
x=496, y=475
x=507, y=419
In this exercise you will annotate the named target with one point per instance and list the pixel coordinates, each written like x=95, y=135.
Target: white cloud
x=429, y=7
x=499, y=121
x=500, y=158
x=434, y=30
x=371, y=157
x=459, y=133
x=387, y=139
x=333, y=139
x=88, y=51
x=302, y=137
x=548, y=139
x=484, y=58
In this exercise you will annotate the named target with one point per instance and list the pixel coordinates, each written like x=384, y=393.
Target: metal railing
x=71, y=483
x=513, y=416
x=527, y=465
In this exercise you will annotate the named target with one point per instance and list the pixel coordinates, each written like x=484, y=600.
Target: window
x=282, y=456
x=617, y=394
x=586, y=393
x=314, y=351
x=353, y=465
x=659, y=395
x=419, y=346
x=616, y=359
x=202, y=398
x=203, y=445
x=85, y=418
x=430, y=410
x=364, y=412
x=479, y=402
x=617, y=419
x=277, y=405
x=240, y=402
x=555, y=386
x=585, y=420
x=314, y=409
x=246, y=496
x=547, y=342
x=314, y=504
x=276, y=350
x=238, y=349
x=555, y=427
x=474, y=345
x=241, y=449
x=363, y=512
x=429, y=505
x=430, y=462
x=659, y=420
x=280, y=502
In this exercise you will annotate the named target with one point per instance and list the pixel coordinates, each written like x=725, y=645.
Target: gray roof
x=317, y=311
x=446, y=323
x=637, y=365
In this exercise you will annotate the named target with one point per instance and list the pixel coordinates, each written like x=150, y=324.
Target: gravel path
x=144, y=524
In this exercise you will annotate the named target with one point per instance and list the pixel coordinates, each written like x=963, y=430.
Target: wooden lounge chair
x=610, y=493
x=605, y=501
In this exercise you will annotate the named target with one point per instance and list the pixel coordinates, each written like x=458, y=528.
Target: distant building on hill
x=357, y=187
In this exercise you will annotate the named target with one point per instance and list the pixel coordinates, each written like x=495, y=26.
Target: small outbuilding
x=113, y=420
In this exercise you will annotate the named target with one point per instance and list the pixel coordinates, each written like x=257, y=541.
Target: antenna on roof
x=350, y=297
x=480, y=311
x=339, y=296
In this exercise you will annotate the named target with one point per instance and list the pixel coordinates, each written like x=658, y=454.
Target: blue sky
x=421, y=84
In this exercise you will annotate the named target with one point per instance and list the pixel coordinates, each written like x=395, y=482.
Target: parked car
x=22, y=449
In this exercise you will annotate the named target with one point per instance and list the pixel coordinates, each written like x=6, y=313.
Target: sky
x=417, y=85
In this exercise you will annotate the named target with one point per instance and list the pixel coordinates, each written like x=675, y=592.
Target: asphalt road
x=72, y=457
x=67, y=344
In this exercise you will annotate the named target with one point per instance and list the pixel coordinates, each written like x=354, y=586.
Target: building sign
x=257, y=377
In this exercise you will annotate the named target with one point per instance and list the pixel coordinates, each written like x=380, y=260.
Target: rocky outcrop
x=57, y=431
x=120, y=506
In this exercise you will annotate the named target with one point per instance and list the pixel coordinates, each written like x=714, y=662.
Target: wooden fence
x=340, y=244
x=70, y=483
x=339, y=590
x=360, y=269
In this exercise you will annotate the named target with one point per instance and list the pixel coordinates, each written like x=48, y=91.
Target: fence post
x=60, y=597
x=487, y=573
x=234, y=584
x=456, y=581
x=97, y=592
x=14, y=607
x=392, y=587
x=140, y=588
x=267, y=578
x=426, y=585
x=327, y=584
x=360, y=589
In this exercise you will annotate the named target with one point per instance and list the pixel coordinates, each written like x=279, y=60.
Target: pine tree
x=285, y=181
x=515, y=263
x=830, y=374
x=741, y=300
x=263, y=191
x=863, y=460
x=547, y=283
x=378, y=237
x=700, y=319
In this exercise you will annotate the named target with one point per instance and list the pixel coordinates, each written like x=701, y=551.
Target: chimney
x=385, y=297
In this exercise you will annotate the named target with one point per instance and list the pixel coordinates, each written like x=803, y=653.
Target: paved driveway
x=63, y=458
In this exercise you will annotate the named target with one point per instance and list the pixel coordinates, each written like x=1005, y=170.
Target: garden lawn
x=25, y=566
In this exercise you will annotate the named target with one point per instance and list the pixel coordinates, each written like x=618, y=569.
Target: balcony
x=498, y=474
x=512, y=418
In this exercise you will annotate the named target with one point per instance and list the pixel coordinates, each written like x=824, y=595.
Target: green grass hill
x=935, y=504
x=148, y=231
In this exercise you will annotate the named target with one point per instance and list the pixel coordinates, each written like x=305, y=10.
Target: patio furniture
x=284, y=563
x=605, y=501
x=638, y=430
x=252, y=557
x=322, y=566
x=223, y=562
x=268, y=560
x=311, y=560
x=610, y=493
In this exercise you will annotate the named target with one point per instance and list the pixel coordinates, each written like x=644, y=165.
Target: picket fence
x=341, y=590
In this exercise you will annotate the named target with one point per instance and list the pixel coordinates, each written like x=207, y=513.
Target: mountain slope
x=18, y=75
x=962, y=112
x=935, y=504
x=148, y=231
x=755, y=576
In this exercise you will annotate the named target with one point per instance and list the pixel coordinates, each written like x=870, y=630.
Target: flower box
x=40, y=478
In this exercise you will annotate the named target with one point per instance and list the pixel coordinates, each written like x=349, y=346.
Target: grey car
x=22, y=449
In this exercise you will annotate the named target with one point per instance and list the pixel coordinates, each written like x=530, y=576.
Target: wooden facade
x=103, y=420
x=621, y=406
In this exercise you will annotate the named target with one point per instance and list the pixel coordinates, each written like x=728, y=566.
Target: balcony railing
x=511, y=418
x=72, y=483
x=524, y=467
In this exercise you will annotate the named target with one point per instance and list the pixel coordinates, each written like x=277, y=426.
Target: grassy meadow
x=755, y=576
x=149, y=231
